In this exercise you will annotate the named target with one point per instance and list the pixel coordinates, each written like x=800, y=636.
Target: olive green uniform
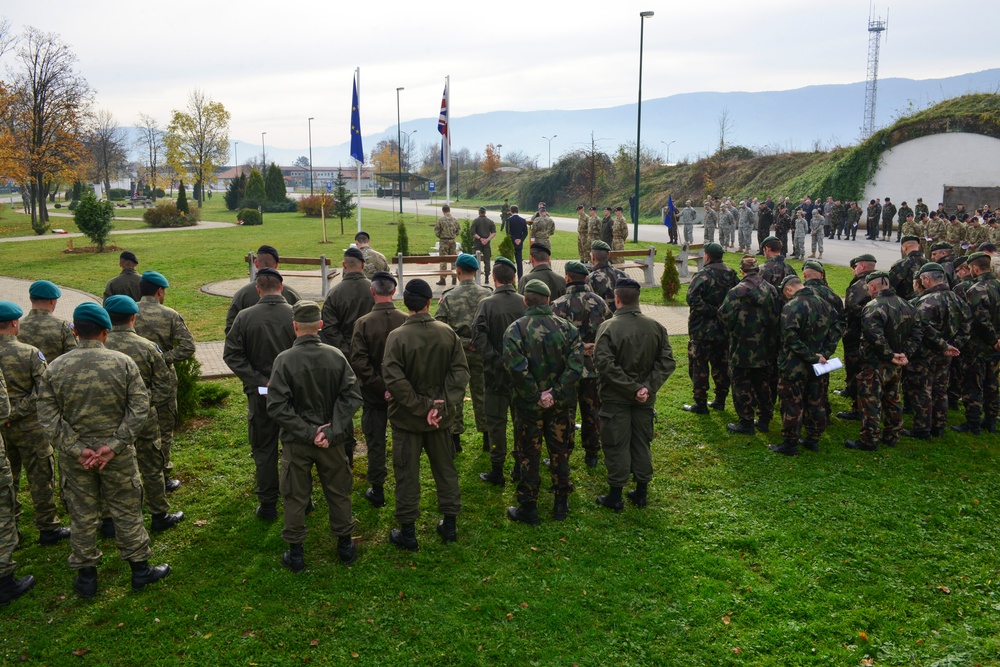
x=127, y=283
x=544, y=272
x=583, y=237
x=51, y=335
x=483, y=227
x=457, y=308
x=247, y=296
x=542, y=229
x=344, y=304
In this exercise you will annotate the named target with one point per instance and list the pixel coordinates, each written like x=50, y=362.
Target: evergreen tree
x=94, y=218
x=182, y=200
x=468, y=243
x=507, y=247
x=670, y=282
x=274, y=185
x=343, y=206
x=196, y=193
x=402, y=240
x=234, y=192
x=254, y=194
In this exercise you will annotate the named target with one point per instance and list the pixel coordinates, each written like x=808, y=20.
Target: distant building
x=297, y=178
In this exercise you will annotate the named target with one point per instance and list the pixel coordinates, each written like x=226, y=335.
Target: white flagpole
x=447, y=105
x=357, y=78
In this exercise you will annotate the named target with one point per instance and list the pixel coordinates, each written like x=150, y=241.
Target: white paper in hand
x=262, y=391
x=830, y=365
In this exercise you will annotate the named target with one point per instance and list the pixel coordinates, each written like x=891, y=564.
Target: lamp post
x=550, y=147
x=236, y=157
x=311, y=155
x=638, y=127
x=399, y=151
x=263, y=166
x=667, y=144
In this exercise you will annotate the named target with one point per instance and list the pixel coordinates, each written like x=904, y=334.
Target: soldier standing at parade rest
x=517, y=228
x=603, y=275
x=446, y=229
x=585, y=310
x=457, y=308
x=765, y=219
x=888, y=213
x=982, y=353
x=619, y=232
x=493, y=316
x=259, y=334
x=903, y=213
x=687, y=218
x=593, y=228
x=10, y=588
x=165, y=327
x=313, y=395
x=775, y=269
x=542, y=227
x=40, y=327
x=904, y=271
x=799, y=235
x=374, y=260
x=22, y=366
x=708, y=341
x=544, y=355
x=782, y=226
x=504, y=214
x=891, y=334
x=246, y=296
x=541, y=270
x=425, y=373
x=367, y=350
x=809, y=335
x=853, y=217
x=750, y=313
x=854, y=302
x=483, y=230
x=711, y=222
x=583, y=233
x=634, y=359
x=126, y=282
x=608, y=227
x=91, y=401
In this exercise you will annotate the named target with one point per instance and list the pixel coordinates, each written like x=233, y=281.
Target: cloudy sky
x=274, y=64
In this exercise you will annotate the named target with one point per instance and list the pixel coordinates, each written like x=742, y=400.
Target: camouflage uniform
x=127, y=283
x=619, y=233
x=726, y=225
x=799, y=238
x=51, y=335
x=165, y=327
x=708, y=341
x=542, y=229
x=711, y=224
x=945, y=319
x=582, y=308
x=911, y=228
x=747, y=223
x=888, y=213
x=608, y=230
x=936, y=230
x=903, y=272
x=686, y=219
x=27, y=446
x=247, y=296
x=602, y=279
x=750, y=313
x=374, y=261
x=816, y=228
x=982, y=402
x=837, y=214
x=855, y=301
x=920, y=208
x=88, y=398
x=158, y=381
x=593, y=232
x=583, y=236
x=483, y=227
x=504, y=215
x=782, y=225
x=955, y=234
x=543, y=352
x=975, y=235
x=457, y=308
x=901, y=214
x=446, y=230
x=543, y=272
x=853, y=216
x=9, y=540
x=775, y=270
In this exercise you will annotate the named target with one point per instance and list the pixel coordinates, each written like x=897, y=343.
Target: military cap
x=156, y=278
x=977, y=255
x=355, y=254
x=467, y=261
x=384, y=275
x=626, y=283
x=928, y=267
x=538, y=287
x=748, y=263
x=687, y=203
x=506, y=262
x=576, y=267
x=910, y=238
x=482, y=209
x=91, y=312
x=43, y=289
x=986, y=246
x=270, y=272
x=419, y=288
x=543, y=248
x=961, y=261
x=788, y=279
x=362, y=236
x=579, y=207
x=600, y=245
x=593, y=208
x=306, y=311
x=10, y=311
x=877, y=275
x=866, y=257
x=770, y=239
x=269, y=250
x=941, y=245
x=128, y=256
x=121, y=304
x=814, y=265
x=714, y=249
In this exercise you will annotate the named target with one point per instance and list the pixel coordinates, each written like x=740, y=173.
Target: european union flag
x=357, y=150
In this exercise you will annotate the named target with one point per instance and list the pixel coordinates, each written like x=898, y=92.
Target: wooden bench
x=646, y=264
x=689, y=252
x=423, y=260
x=325, y=272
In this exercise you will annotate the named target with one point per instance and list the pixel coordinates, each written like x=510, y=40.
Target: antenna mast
x=875, y=29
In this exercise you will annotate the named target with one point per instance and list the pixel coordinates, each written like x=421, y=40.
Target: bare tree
x=7, y=38
x=151, y=141
x=107, y=143
x=727, y=125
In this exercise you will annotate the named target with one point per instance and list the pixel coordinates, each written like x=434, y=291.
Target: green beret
x=909, y=238
x=91, y=312
x=770, y=239
x=155, y=278
x=538, y=287
x=576, y=267
x=599, y=245
x=467, y=261
x=43, y=289
x=714, y=249
x=814, y=265
x=788, y=279
x=941, y=245
x=506, y=262
x=977, y=255
x=928, y=267
x=306, y=311
x=961, y=261
x=876, y=275
x=867, y=257
x=10, y=311
x=626, y=283
x=121, y=304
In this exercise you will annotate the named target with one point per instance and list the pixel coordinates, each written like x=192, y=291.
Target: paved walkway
x=143, y=230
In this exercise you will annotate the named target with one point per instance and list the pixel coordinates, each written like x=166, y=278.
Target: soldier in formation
x=483, y=231
x=40, y=327
x=542, y=228
x=687, y=218
x=126, y=282
x=373, y=259
x=246, y=296
x=446, y=230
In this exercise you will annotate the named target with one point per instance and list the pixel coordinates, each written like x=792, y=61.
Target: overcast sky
x=274, y=64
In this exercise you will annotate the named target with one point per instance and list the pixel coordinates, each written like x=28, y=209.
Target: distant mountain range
x=787, y=120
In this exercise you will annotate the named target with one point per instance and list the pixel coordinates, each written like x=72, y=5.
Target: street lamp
x=667, y=144
x=311, y=156
x=399, y=151
x=263, y=155
x=638, y=127
x=236, y=157
x=550, y=148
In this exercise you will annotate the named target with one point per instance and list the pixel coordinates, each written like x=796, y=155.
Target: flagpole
x=357, y=82
x=447, y=102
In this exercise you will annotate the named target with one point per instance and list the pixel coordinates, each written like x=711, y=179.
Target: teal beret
x=576, y=267
x=43, y=289
x=91, y=312
x=538, y=287
x=10, y=311
x=155, y=278
x=599, y=245
x=467, y=261
x=928, y=267
x=505, y=262
x=121, y=304
x=714, y=249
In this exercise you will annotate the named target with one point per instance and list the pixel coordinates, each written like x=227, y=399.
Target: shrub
x=507, y=247
x=192, y=394
x=402, y=240
x=253, y=194
x=234, y=192
x=58, y=205
x=166, y=214
x=286, y=206
x=73, y=204
x=465, y=238
x=274, y=185
x=182, y=200
x=94, y=218
x=119, y=193
x=310, y=206
x=249, y=216
x=670, y=282
x=150, y=192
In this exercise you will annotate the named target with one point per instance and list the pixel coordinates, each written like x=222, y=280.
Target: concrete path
x=143, y=230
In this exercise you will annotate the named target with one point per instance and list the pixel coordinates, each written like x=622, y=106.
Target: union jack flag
x=443, y=129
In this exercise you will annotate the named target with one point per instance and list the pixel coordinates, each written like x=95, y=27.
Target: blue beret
x=155, y=278
x=91, y=312
x=10, y=311
x=121, y=304
x=467, y=261
x=43, y=289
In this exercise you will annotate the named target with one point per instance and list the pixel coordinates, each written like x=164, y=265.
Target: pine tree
x=670, y=282
x=234, y=192
x=196, y=192
x=343, y=206
x=402, y=240
x=468, y=243
x=94, y=218
x=274, y=185
x=182, y=200
x=254, y=195
x=507, y=247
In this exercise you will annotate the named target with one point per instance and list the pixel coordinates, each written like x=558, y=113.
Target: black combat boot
x=613, y=500
x=107, y=529
x=811, y=445
x=457, y=440
x=143, y=574
x=486, y=441
x=787, y=447
x=851, y=415
x=857, y=444
x=763, y=425
x=346, y=549
x=376, y=495
x=524, y=513
x=11, y=588
x=742, y=427
x=349, y=450
x=696, y=408
x=968, y=427
x=295, y=558
x=494, y=476
x=447, y=530
x=937, y=432
x=267, y=511
x=52, y=536
x=405, y=537
x=171, y=485
x=166, y=520
x=719, y=404
x=918, y=433
x=85, y=583
x=590, y=460
x=638, y=494
x=990, y=425
x=560, y=510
